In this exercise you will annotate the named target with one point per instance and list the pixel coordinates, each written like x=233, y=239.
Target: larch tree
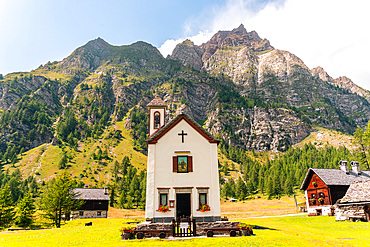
x=6, y=207
x=25, y=211
x=59, y=199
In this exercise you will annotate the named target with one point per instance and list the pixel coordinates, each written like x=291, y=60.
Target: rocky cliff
x=236, y=85
x=279, y=77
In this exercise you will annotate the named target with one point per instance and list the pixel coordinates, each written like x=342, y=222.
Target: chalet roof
x=357, y=192
x=157, y=101
x=334, y=176
x=157, y=135
x=91, y=194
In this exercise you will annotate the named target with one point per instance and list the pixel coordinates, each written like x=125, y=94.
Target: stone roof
x=174, y=121
x=91, y=194
x=157, y=101
x=358, y=191
x=335, y=176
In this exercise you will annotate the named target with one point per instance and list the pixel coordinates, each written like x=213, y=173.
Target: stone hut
x=355, y=205
x=96, y=203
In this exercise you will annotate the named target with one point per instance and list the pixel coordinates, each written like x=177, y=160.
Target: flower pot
x=246, y=232
x=127, y=235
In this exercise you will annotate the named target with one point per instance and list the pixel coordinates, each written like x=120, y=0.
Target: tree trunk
x=59, y=216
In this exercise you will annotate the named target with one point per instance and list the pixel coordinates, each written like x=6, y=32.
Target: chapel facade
x=182, y=169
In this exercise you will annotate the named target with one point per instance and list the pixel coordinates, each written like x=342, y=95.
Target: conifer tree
x=122, y=200
x=25, y=211
x=59, y=198
x=6, y=207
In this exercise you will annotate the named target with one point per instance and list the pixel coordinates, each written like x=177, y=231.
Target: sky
x=333, y=34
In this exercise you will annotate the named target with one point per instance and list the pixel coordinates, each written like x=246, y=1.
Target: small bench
x=232, y=231
x=16, y=229
x=133, y=222
x=141, y=233
x=354, y=218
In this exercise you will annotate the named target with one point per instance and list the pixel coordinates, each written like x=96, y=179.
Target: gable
x=315, y=182
x=182, y=117
x=334, y=177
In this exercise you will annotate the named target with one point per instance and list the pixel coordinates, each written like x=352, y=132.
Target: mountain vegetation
x=87, y=115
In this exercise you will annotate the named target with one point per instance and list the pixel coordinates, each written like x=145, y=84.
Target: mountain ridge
x=240, y=88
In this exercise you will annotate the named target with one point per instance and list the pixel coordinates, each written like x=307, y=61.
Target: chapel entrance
x=183, y=205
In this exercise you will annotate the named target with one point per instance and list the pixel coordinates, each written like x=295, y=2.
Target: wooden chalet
x=324, y=187
x=96, y=203
x=355, y=205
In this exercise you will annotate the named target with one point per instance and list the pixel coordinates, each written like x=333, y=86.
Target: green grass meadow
x=284, y=231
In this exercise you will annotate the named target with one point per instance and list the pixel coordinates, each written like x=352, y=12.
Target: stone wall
x=89, y=214
x=350, y=211
x=199, y=225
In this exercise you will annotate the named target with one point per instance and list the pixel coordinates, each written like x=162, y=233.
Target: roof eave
x=157, y=135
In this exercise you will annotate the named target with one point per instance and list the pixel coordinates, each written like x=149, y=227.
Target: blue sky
x=332, y=34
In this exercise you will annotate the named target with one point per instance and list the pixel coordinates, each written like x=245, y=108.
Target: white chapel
x=182, y=168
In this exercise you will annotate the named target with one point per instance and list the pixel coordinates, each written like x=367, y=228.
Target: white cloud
x=332, y=34
x=168, y=46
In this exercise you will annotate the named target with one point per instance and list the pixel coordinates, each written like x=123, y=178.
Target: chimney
x=344, y=166
x=356, y=167
x=105, y=191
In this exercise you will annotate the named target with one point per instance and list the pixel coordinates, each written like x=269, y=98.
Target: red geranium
x=163, y=208
x=204, y=208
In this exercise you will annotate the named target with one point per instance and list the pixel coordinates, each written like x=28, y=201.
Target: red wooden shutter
x=190, y=163
x=174, y=163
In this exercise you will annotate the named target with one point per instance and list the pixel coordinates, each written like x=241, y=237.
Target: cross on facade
x=182, y=134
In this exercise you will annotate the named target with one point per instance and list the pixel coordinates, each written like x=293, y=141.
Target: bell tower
x=157, y=110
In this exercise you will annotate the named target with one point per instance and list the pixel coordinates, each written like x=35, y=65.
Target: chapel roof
x=157, y=101
x=91, y=194
x=334, y=176
x=157, y=135
x=358, y=191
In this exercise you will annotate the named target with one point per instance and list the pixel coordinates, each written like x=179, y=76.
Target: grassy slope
x=284, y=231
x=322, y=136
x=45, y=158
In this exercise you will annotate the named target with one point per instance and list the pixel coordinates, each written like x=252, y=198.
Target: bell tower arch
x=157, y=114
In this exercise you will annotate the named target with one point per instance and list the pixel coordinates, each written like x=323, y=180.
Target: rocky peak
x=188, y=54
x=237, y=37
x=97, y=44
x=87, y=56
x=346, y=83
x=240, y=29
x=319, y=72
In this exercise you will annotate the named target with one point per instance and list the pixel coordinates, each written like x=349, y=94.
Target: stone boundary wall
x=199, y=225
x=345, y=212
x=88, y=214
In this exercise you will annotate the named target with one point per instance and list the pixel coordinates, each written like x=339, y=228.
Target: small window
x=98, y=213
x=163, y=199
x=321, y=195
x=202, y=198
x=81, y=213
x=313, y=195
x=157, y=120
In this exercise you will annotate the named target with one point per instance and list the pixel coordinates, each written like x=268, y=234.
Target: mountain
x=261, y=72
x=241, y=89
